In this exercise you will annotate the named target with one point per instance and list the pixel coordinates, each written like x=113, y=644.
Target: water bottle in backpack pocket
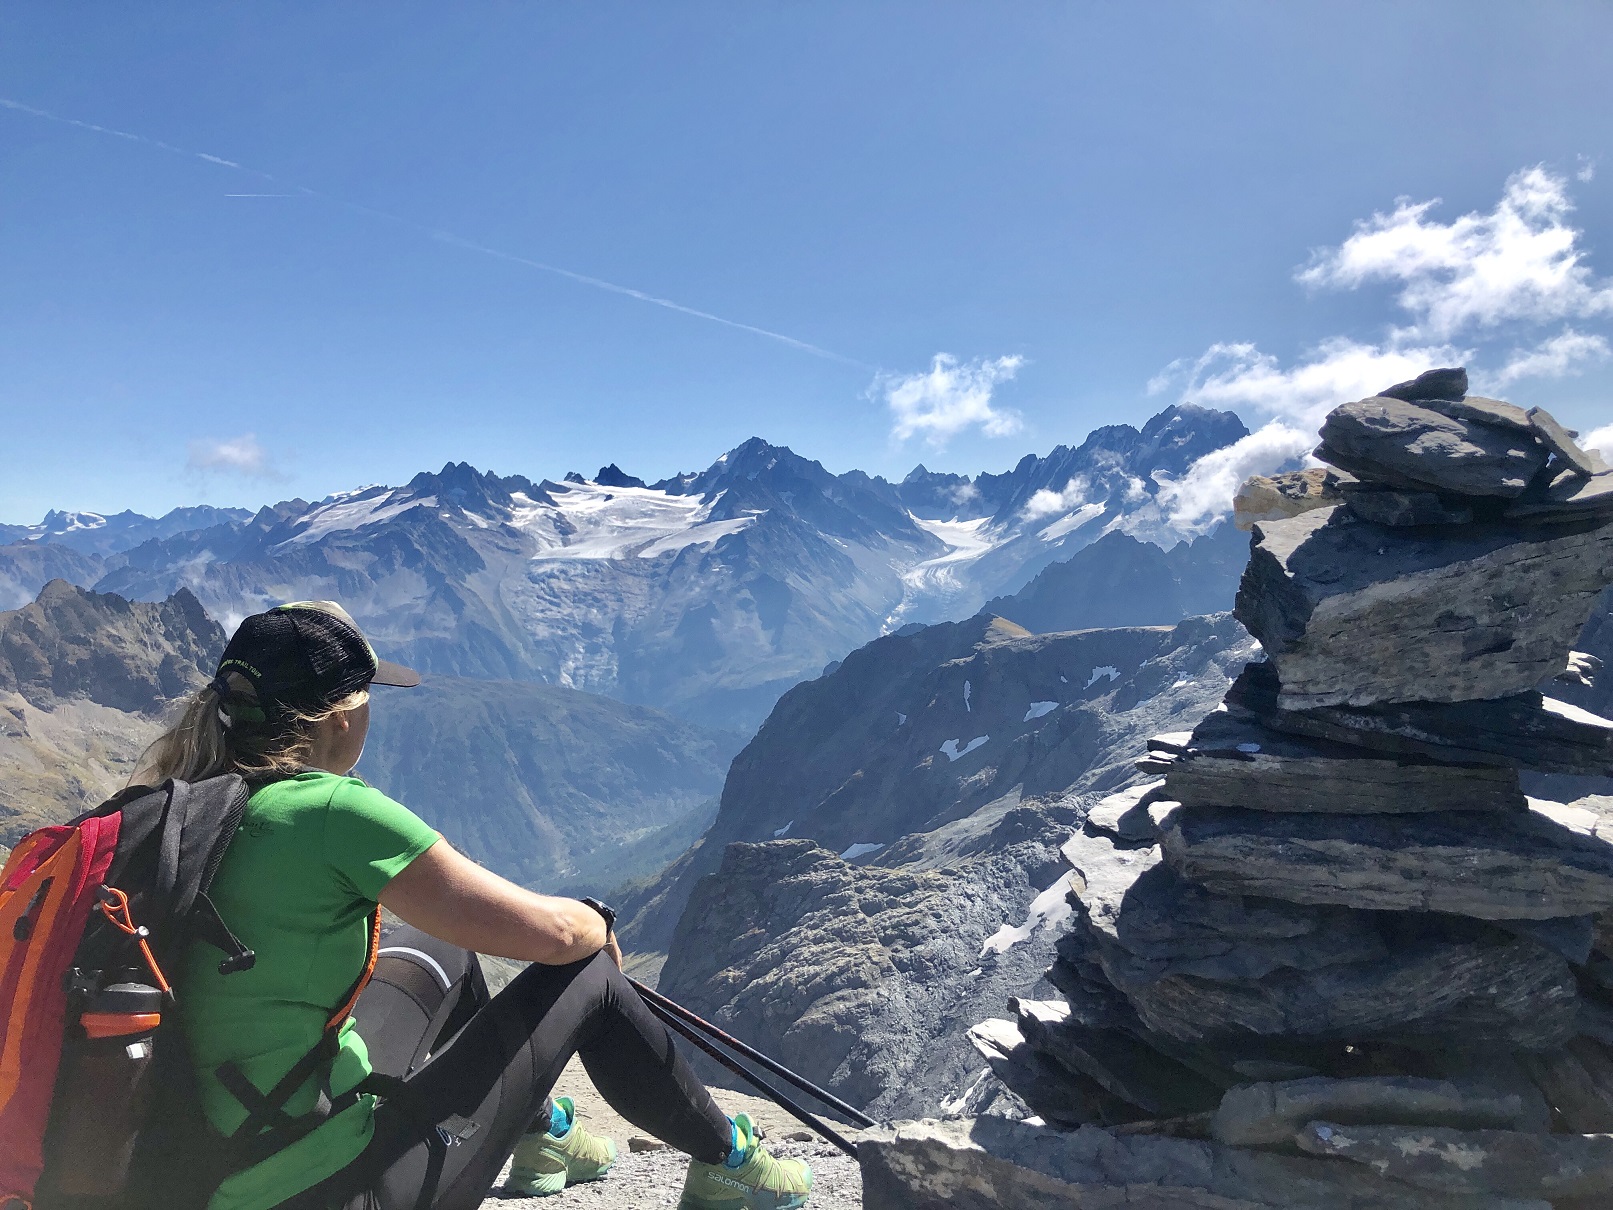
x=103, y=1089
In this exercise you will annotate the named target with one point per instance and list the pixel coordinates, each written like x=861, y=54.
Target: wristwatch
x=608, y=912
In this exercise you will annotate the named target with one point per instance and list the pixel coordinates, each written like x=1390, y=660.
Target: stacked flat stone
x=1333, y=923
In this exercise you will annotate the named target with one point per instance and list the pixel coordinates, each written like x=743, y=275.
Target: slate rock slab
x=993, y=1164
x=1233, y=761
x=1104, y=872
x=1488, y=866
x=1561, y=443
x=1055, y=1093
x=1354, y=613
x=1273, y=497
x=1448, y=383
x=1569, y=497
x=1578, y=1081
x=1494, y=412
x=1270, y=1114
x=1405, y=445
x=1119, y=1061
x=1130, y=815
x=1493, y=1163
x=1481, y=988
x=1525, y=730
x=1399, y=508
x=1169, y=926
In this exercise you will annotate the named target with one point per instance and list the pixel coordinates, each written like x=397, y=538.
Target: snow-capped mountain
x=708, y=594
x=97, y=534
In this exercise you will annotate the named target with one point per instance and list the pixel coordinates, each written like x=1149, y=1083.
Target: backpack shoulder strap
x=268, y=1128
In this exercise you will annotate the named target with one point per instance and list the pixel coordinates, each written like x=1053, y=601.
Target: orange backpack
x=92, y=914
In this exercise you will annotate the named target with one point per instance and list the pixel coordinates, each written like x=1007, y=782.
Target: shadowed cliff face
x=918, y=730
x=942, y=764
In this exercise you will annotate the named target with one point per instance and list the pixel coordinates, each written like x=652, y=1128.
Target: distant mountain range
x=708, y=594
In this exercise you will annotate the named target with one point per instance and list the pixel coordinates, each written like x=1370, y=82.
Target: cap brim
x=388, y=673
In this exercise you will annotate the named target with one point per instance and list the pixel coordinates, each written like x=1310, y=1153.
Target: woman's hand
x=446, y=894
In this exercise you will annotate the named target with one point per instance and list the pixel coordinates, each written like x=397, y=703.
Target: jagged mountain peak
x=615, y=476
x=129, y=655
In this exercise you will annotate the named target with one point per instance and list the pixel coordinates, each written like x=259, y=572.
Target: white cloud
x=1587, y=170
x=1195, y=501
x=1561, y=354
x=243, y=455
x=1517, y=267
x=1599, y=439
x=1240, y=375
x=1520, y=261
x=1048, y=503
x=948, y=398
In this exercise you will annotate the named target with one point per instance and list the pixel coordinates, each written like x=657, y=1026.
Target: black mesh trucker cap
x=307, y=655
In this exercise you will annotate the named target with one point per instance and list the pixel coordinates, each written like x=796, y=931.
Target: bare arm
x=446, y=894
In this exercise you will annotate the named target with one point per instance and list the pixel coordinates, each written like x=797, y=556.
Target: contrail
x=445, y=237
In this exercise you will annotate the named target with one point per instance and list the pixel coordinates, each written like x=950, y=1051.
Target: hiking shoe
x=759, y=1182
x=546, y=1163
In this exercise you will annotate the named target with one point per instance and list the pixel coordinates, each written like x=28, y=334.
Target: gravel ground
x=653, y=1180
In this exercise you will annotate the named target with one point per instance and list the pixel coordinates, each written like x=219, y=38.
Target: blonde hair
x=212, y=734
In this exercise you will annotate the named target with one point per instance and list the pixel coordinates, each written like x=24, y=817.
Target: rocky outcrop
x=866, y=978
x=989, y=1163
x=945, y=765
x=1353, y=612
x=84, y=680
x=1278, y=497
x=127, y=655
x=919, y=731
x=1334, y=913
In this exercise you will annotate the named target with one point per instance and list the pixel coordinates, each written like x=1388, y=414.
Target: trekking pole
x=806, y=1117
x=655, y=998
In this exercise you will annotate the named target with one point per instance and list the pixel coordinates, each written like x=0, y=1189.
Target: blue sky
x=1094, y=209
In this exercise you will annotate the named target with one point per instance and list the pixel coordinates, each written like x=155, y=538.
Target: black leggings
x=477, y=1072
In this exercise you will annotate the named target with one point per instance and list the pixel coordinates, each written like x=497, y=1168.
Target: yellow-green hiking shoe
x=760, y=1182
x=546, y=1163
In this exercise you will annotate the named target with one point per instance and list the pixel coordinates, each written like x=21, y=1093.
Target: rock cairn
x=1332, y=956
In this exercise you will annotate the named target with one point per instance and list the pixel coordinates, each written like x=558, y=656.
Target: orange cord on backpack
x=114, y=903
x=371, y=954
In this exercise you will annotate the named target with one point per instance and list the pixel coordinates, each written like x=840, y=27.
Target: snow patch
x=952, y=1106
x=1071, y=522
x=950, y=748
x=901, y=719
x=784, y=831
x=1051, y=908
x=860, y=850
x=1108, y=670
x=967, y=690
x=1038, y=709
x=587, y=521
x=352, y=510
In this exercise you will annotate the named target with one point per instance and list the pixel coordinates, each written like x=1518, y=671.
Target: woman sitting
x=316, y=853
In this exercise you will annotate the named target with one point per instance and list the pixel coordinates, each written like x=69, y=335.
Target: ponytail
x=223, y=729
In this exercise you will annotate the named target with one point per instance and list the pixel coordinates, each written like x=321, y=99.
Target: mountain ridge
x=708, y=593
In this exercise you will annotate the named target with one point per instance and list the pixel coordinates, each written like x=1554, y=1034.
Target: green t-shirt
x=297, y=885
